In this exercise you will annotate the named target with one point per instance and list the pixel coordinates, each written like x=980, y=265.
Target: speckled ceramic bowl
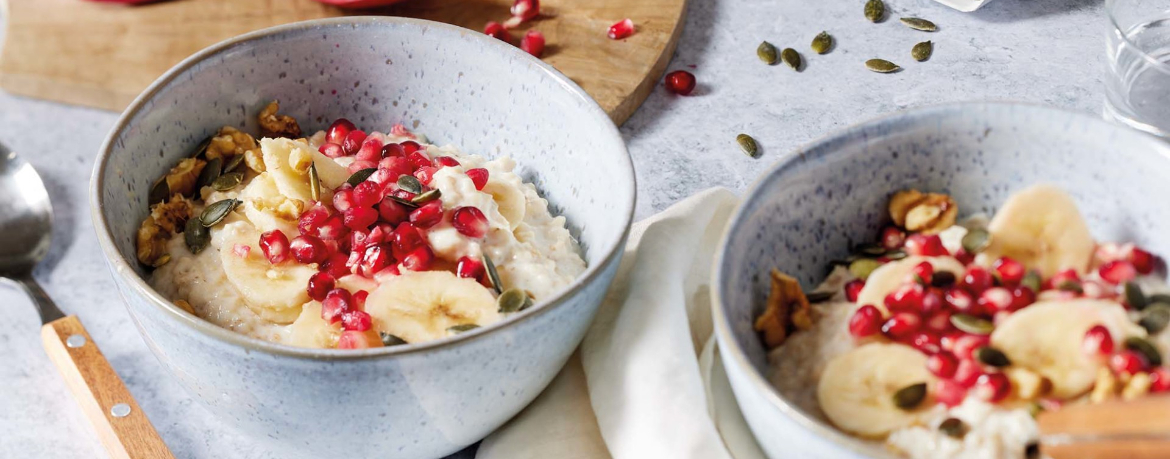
x=814, y=205
x=454, y=85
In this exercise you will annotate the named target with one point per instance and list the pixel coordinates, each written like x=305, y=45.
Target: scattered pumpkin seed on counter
x=909, y=397
x=791, y=57
x=882, y=66
x=919, y=24
x=875, y=10
x=922, y=51
x=822, y=42
x=748, y=144
x=767, y=53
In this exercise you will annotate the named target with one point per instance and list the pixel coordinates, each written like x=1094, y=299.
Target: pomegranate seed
x=533, y=43
x=479, y=176
x=470, y=222
x=361, y=165
x=366, y=194
x=396, y=166
x=964, y=346
x=343, y=199
x=1118, y=272
x=1128, y=362
x=923, y=273
x=331, y=150
x=274, y=244
x=928, y=343
x=939, y=322
x=332, y=228
x=1160, y=379
x=446, y=161
x=967, y=373
x=393, y=150
x=525, y=9
x=865, y=321
x=375, y=258
x=470, y=268
x=932, y=302
x=993, y=387
x=419, y=159
x=335, y=265
x=853, y=289
x=410, y=146
x=353, y=339
x=892, y=238
x=359, y=240
x=308, y=249
x=427, y=215
x=405, y=239
x=359, y=300
x=1068, y=276
x=622, y=29
x=995, y=299
x=336, y=303
x=1010, y=272
x=949, y=393
x=421, y=259
x=319, y=285
x=964, y=257
x=976, y=280
x=1142, y=260
x=425, y=174
x=338, y=130
x=370, y=150
x=1098, y=341
x=925, y=245
x=901, y=325
x=392, y=212
x=497, y=31
x=942, y=364
x=961, y=300
x=1022, y=297
x=353, y=142
x=311, y=220
x=356, y=320
x=680, y=82
x=908, y=297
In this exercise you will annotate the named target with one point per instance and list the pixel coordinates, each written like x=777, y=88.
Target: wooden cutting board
x=102, y=55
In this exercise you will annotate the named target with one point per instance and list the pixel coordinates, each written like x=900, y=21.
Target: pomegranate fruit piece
x=320, y=284
x=336, y=303
x=479, y=176
x=421, y=259
x=892, y=238
x=992, y=387
x=338, y=130
x=949, y=393
x=308, y=249
x=1010, y=272
x=853, y=289
x=680, y=82
x=275, y=246
x=925, y=245
x=942, y=364
x=976, y=280
x=865, y=321
x=331, y=150
x=356, y=320
x=901, y=325
x=496, y=30
x=1098, y=341
x=470, y=222
x=622, y=29
x=1118, y=272
x=533, y=43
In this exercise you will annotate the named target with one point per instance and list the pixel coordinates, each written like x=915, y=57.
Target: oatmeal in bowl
x=348, y=239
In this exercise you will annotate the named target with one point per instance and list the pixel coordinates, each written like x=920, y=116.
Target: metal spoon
x=26, y=221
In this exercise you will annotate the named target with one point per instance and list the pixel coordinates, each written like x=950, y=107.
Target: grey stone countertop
x=1041, y=51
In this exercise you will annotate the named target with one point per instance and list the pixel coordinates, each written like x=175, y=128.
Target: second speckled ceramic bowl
x=814, y=205
x=454, y=85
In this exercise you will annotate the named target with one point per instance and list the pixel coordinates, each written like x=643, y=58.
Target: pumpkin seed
x=462, y=328
x=822, y=42
x=314, y=183
x=512, y=300
x=164, y=259
x=211, y=171
x=361, y=176
x=1032, y=451
x=1144, y=347
x=953, y=427
x=875, y=10
x=942, y=279
x=426, y=197
x=872, y=250
x=976, y=240
x=1032, y=280
x=1158, y=298
x=196, y=235
x=202, y=147
x=791, y=57
x=233, y=163
x=748, y=144
x=159, y=192
x=817, y=297
x=217, y=211
x=992, y=357
x=410, y=183
x=1134, y=296
x=1155, y=318
x=390, y=340
x=972, y=324
x=882, y=66
x=493, y=275
x=767, y=53
x=922, y=51
x=404, y=202
x=1071, y=286
x=862, y=267
x=919, y=24
x=896, y=254
x=228, y=181
x=909, y=397
x=1034, y=409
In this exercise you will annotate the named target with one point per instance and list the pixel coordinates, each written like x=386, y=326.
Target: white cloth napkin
x=647, y=381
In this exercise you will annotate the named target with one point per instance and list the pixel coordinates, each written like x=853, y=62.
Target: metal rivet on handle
x=120, y=410
x=75, y=341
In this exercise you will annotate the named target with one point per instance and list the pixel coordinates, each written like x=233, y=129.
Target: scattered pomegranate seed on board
x=533, y=43
x=496, y=30
x=622, y=29
x=525, y=9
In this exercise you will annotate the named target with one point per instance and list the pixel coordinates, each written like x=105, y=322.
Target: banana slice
x=310, y=330
x=510, y=201
x=275, y=292
x=1042, y=228
x=421, y=306
x=1046, y=338
x=288, y=162
x=857, y=388
x=890, y=276
x=267, y=209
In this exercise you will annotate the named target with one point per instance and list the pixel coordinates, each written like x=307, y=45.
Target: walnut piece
x=1027, y=384
x=181, y=178
x=280, y=206
x=787, y=309
x=166, y=218
x=152, y=243
x=1106, y=386
x=230, y=142
x=928, y=213
x=275, y=125
x=254, y=160
x=1138, y=385
x=172, y=215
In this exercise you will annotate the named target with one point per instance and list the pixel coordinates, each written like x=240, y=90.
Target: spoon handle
x=121, y=425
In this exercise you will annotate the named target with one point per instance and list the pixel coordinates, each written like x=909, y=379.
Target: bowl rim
x=758, y=383
x=123, y=268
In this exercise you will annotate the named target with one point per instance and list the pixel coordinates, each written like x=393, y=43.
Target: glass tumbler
x=1137, y=88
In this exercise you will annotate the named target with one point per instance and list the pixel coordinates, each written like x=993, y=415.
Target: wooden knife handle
x=121, y=425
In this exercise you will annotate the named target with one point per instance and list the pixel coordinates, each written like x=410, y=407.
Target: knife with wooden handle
x=1137, y=429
